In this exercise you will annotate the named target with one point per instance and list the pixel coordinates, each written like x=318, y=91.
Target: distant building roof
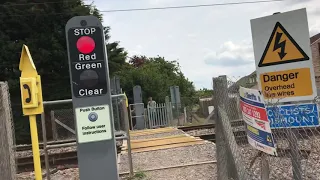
x=244, y=82
x=314, y=38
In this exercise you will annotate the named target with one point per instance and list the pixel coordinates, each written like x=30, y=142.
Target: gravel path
x=199, y=172
x=280, y=167
x=169, y=157
x=159, y=159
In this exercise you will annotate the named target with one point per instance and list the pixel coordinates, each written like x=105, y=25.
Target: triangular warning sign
x=281, y=49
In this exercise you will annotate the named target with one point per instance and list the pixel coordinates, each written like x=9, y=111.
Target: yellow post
x=32, y=103
x=35, y=147
x=127, y=104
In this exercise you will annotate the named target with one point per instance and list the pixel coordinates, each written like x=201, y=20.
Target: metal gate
x=134, y=116
x=159, y=116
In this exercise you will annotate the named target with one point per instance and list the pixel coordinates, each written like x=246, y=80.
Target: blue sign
x=302, y=115
x=259, y=136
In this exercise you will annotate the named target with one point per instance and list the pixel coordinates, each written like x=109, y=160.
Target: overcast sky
x=206, y=41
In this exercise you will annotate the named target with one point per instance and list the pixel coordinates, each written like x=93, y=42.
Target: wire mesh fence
x=297, y=136
x=7, y=135
x=192, y=111
x=294, y=128
x=63, y=124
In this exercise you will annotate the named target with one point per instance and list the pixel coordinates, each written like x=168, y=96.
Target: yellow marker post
x=32, y=103
x=127, y=104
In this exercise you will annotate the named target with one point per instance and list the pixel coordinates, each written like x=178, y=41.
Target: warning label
x=289, y=83
x=281, y=49
x=93, y=123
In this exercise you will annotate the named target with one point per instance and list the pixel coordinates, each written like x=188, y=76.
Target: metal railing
x=158, y=116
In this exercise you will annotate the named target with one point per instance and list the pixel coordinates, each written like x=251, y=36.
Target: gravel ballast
x=169, y=157
x=199, y=172
x=280, y=167
x=210, y=131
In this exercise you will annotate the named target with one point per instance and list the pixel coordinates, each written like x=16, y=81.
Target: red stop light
x=86, y=44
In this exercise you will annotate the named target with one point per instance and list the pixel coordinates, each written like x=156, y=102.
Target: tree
x=205, y=93
x=116, y=55
x=137, y=61
x=41, y=26
x=155, y=77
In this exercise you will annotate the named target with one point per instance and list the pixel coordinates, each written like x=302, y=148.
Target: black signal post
x=91, y=98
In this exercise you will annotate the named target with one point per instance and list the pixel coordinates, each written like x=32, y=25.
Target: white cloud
x=192, y=35
x=231, y=55
x=206, y=41
x=315, y=29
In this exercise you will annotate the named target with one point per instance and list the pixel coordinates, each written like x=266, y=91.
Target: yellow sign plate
x=289, y=83
x=281, y=49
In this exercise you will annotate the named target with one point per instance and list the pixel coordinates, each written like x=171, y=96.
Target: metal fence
x=187, y=112
x=160, y=115
x=7, y=138
x=298, y=149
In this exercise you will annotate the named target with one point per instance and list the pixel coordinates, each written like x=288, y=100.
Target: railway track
x=118, y=134
x=300, y=133
x=241, y=138
x=26, y=163
x=277, y=133
x=29, y=146
x=235, y=123
x=55, y=159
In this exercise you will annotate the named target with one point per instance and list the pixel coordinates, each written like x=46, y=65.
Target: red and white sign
x=255, y=115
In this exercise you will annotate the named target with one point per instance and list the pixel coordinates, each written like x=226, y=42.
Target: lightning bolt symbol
x=280, y=45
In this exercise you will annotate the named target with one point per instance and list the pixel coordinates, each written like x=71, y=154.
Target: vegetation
x=155, y=76
x=140, y=175
x=41, y=26
x=205, y=93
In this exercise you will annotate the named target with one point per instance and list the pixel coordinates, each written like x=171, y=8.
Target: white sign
x=257, y=125
x=93, y=123
x=283, y=57
x=210, y=109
